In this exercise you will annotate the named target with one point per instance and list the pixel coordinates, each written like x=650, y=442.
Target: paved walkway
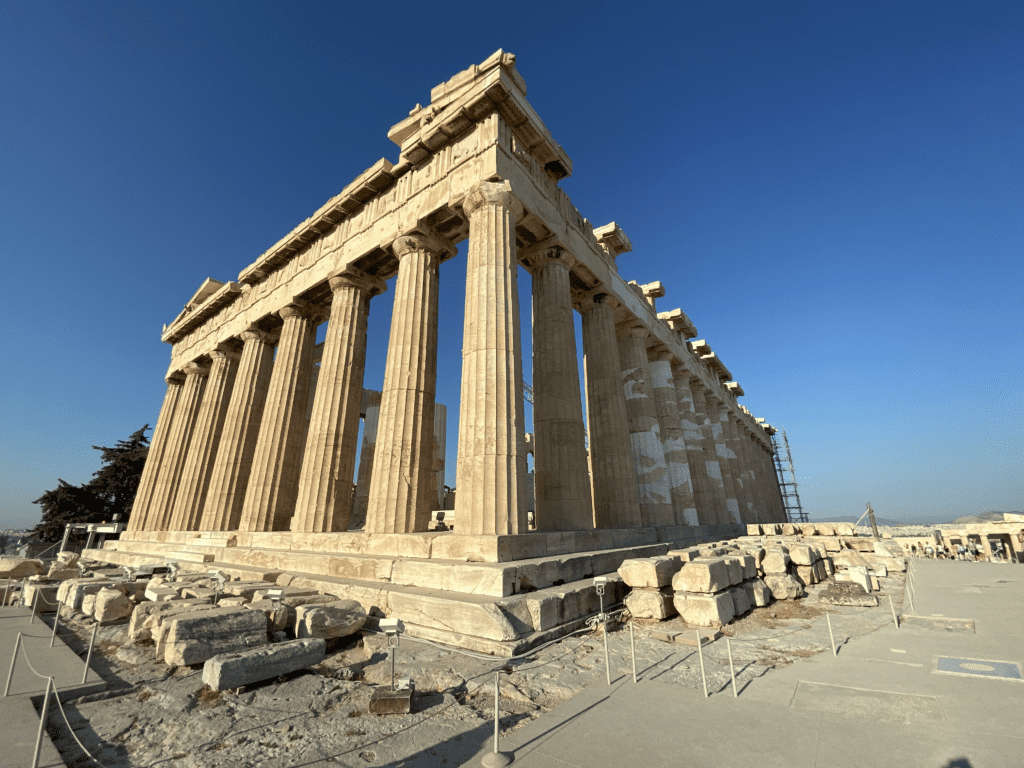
x=18, y=710
x=880, y=702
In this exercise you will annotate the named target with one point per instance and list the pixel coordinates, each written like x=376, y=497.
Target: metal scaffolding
x=787, y=478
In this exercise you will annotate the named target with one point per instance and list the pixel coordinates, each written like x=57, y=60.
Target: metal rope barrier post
x=56, y=621
x=14, y=658
x=600, y=583
x=831, y=637
x=42, y=723
x=35, y=599
x=893, y=609
x=700, y=653
x=7, y=587
x=496, y=759
x=732, y=672
x=88, y=657
x=632, y=647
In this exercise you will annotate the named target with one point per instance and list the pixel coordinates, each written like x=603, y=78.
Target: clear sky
x=832, y=191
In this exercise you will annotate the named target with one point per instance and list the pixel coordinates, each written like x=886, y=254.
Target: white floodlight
x=600, y=582
x=391, y=627
x=275, y=596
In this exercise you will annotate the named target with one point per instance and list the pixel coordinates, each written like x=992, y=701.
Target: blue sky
x=831, y=191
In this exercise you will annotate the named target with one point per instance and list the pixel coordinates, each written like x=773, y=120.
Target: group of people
x=972, y=551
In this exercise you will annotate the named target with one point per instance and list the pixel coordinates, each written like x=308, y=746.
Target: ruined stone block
x=111, y=605
x=801, y=554
x=195, y=637
x=735, y=569
x=783, y=586
x=20, y=568
x=775, y=562
x=337, y=619
x=703, y=575
x=649, y=572
x=702, y=610
x=749, y=563
x=147, y=616
x=762, y=595
x=805, y=576
x=233, y=670
x=645, y=603
x=740, y=601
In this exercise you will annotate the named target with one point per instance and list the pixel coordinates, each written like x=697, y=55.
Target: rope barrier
x=72, y=730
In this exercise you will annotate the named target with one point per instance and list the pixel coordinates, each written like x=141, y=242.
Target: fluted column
x=719, y=417
x=644, y=429
x=176, y=453
x=324, y=500
x=155, y=456
x=613, y=478
x=774, y=490
x=735, y=440
x=273, y=484
x=755, y=475
x=202, y=452
x=672, y=441
x=704, y=497
x=371, y=417
x=491, y=470
x=717, y=498
x=401, y=486
x=560, y=457
x=233, y=463
x=440, y=443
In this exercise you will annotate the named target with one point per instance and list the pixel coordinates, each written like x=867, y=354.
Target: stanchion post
x=494, y=758
x=632, y=648
x=700, y=654
x=732, y=672
x=88, y=656
x=7, y=587
x=35, y=599
x=831, y=637
x=893, y=609
x=56, y=621
x=14, y=658
x=600, y=583
x=42, y=723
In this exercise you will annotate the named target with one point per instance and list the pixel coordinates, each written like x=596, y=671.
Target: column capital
x=632, y=327
x=296, y=308
x=225, y=350
x=555, y=255
x=659, y=353
x=419, y=241
x=253, y=333
x=195, y=369
x=175, y=377
x=597, y=298
x=355, y=278
x=494, y=193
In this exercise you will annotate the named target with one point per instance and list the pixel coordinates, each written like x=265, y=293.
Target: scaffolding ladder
x=787, y=478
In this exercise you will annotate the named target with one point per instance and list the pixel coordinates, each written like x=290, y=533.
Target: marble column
x=704, y=497
x=202, y=452
x=402, y=490
x=716, y=483
x=613, y=478
x=718, y=413
x=731, y=433
x=155, y=457
x=776, y=489
x=560, y=457
x=371, y=414
x=644, y=429
x=273, y=483
x=680, y=483
x=176, y=453
x=491, y=469
x=324, y=492
x=233, y=463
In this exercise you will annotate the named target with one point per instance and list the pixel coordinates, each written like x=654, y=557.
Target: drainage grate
x=978, y=667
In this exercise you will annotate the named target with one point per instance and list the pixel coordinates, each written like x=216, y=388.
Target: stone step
x=190, y=557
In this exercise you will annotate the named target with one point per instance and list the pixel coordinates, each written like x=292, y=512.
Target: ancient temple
x=253, y=460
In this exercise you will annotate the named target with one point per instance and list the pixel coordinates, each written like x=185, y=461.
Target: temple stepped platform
x=480, y=597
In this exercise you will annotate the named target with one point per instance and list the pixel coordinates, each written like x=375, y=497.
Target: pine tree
x=111, y=490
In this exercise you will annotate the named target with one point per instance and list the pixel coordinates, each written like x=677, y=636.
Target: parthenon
x=253, y=458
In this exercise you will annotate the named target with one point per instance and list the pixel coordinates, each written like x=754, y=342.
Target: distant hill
x=981, y=517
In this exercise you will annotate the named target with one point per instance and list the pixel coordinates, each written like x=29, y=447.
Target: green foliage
x=111, y=490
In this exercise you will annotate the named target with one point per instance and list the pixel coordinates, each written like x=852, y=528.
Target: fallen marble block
x=701, y=610
x=775, y=562
x=649, y=572
x=805, y=575
x=147, y=617
x=762, y=595
x=57, y=573
x=802, y=555
x=278, y=617
x=337, y=619
x=194, y=638
x=740, y=601
x=783, y=586
x=111, y=604
x=704, y=575
x=233, y=670
x=20, y=567
x=735, y=569
x=849, y=558
x=650, y=604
